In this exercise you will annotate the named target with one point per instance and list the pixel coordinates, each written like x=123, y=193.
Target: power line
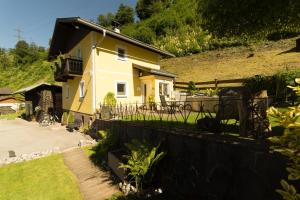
x=19, y=33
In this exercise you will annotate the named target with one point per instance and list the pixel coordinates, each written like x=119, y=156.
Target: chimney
x=116, y=26
x=116, y=29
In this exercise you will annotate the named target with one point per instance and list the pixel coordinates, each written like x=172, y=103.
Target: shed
x=45, y=95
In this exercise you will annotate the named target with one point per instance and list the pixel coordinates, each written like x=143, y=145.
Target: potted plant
x=151, y=102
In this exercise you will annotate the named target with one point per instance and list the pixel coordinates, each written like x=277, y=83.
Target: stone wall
x=208, y=166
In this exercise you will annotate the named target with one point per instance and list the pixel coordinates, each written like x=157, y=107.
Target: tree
x=236, y=17
x=146, y=8
x=124, y=15
x=21, y=52
x=106, y=20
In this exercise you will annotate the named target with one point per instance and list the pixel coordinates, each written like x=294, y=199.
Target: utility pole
x=19, y=32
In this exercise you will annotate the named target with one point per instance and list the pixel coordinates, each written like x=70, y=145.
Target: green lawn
x=41, y=179
x=9, y=116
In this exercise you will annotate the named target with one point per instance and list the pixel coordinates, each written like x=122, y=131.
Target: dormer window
x=121, y=53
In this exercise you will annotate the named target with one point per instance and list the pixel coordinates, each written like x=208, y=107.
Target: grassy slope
x=233, y=63
x=42, y=179
x=17, y=78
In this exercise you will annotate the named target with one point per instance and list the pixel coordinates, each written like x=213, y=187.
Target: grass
x=41, y=179
x=10, y=116
x=237, y=62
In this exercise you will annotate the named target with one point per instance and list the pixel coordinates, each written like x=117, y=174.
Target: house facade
x=94, y=61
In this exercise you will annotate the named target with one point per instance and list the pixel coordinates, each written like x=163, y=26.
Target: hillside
x=19, y=77
x=238, y=62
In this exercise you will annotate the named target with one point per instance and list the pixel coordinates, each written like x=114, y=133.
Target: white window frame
x=79, y=53
x=168, y=88
x=126, y=89
x=67, y=93
x=125, y=53
x=81, y=89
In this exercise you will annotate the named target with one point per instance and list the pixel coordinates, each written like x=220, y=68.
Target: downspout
x=94, y=46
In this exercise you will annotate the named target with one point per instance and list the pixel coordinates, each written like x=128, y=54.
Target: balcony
x=67, y=69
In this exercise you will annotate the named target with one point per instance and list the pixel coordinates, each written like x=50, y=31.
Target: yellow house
x=97, y=60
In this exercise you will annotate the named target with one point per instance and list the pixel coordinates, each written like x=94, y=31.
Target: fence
x=214, y=114
x=210, y=84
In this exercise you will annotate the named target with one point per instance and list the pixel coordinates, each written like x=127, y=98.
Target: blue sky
x=36, y=18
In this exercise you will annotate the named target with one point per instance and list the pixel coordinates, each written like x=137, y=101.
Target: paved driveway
x=27, y=137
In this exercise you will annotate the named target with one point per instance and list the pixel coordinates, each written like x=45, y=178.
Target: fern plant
x=289, y=145
x=141, y=160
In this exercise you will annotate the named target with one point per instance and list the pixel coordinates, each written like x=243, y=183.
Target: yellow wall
x=74, y=102
x=108, y=71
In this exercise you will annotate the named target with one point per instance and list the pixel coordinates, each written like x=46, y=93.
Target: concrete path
x=94, y=184
x=24, y=137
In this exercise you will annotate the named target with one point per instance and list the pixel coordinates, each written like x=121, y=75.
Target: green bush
x=185, y=41
x=109, y=99
x=276, y=85
x=288, y=144
x=71, y=119
x=64, y=118
x=108, y=142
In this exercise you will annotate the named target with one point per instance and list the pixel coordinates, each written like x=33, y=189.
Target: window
x=79, y=53
x=164, y=89
x=121, y=54
x=81, y=89
x=121, y=88
x=67, y=94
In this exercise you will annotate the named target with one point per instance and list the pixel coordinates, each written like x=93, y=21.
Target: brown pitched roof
x=66, y=27
x=5, y=91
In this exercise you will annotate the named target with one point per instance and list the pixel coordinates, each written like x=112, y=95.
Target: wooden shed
x=44, y=95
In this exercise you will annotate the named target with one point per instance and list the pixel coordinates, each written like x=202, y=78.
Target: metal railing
x=217, y=115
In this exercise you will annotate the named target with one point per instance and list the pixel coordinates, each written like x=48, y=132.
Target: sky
x=36, y=18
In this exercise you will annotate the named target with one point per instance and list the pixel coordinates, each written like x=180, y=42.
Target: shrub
x=288, y=145
x=109, y=99
x=141, y=160
x=71, y=119
x=185, y=41
x=84, y=128
x=108, y=142
x=212, y=92
x=64, y=118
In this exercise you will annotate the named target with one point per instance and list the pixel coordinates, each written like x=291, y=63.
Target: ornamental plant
x=64, y=118
x=110, y=100
x=71, y=119
x=289, y=145
x=141, y=160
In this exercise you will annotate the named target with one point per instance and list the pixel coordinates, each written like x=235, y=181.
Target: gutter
x=94, y=46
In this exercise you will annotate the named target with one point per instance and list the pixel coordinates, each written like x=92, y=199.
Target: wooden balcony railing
x=68, y=68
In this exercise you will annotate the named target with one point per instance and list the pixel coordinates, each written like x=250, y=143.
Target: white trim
x=168, y=87
x=81, y=90
x=126, y=89
x=78, y=49
x=125, y=52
